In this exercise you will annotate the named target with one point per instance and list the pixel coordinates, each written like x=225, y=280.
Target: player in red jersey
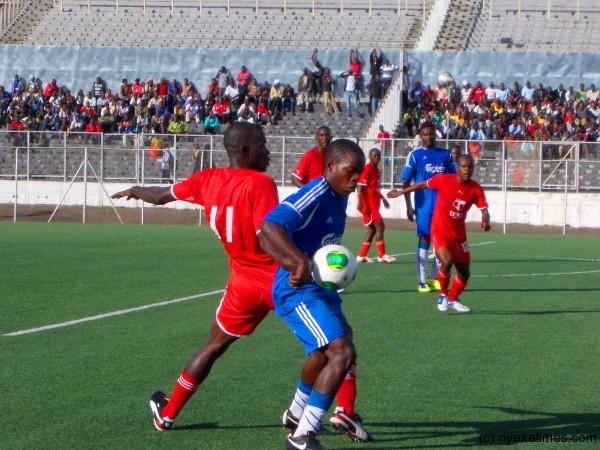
x=236, y=200
x=369, y=201
x=312, y=163
x=455, y=196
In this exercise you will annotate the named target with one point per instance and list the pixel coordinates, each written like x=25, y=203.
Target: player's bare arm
x=485, y=220
x=296, y=182
x=410, y=212
x=386, y=204
x=276, y=243
x=359, y=205
x=394, y=193
x=157, y=195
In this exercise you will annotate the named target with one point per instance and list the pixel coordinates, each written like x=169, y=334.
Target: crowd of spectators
x=498, y=112
x=170, y=106
x=471, y=112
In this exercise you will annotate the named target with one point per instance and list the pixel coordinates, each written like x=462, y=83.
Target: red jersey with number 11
x=454, y=200
x=236, y=201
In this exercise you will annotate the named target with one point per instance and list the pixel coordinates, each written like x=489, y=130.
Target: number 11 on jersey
x=228, y=222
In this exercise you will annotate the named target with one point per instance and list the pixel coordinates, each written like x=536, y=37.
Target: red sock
x=182, y=392
x=346, y=395
x=364, y=249
x=458, y=285
x=380, y=248
x=444, y=279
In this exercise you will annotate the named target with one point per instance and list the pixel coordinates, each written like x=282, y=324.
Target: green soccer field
x=97, y=317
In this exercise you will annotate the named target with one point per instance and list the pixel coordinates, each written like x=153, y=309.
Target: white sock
x=422, y=264
x=299, y=403
x=311, y=420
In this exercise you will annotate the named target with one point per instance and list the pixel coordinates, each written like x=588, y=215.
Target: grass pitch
x=522, y=364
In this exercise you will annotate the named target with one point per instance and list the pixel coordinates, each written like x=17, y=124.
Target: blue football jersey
x=314, y=216
x=421, y=165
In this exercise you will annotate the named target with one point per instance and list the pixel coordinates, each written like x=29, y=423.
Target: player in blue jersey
x=306, y=221
x=421, y=164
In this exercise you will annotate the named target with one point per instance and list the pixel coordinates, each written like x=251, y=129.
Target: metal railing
x=57, y=156
x=9, y=10
x=284, y=7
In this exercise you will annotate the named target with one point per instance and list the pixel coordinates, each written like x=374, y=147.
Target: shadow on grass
x=524, y=426
x=545, y=427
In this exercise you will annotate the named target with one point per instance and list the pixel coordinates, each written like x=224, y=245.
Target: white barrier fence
x=536, y=183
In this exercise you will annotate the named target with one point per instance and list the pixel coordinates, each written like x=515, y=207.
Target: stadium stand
x=502, y=26
x=242, y=26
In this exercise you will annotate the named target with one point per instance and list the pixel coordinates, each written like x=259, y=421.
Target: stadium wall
x=530, y=208
x=77, y=67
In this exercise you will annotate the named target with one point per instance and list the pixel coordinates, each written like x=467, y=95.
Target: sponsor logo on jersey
x=434, y=168
x=331, y=238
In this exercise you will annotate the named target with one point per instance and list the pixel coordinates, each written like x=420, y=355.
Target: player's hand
x=393, y=193
x=126, y=193
x=386, y=204
x=300, y=275
x=486, y=226
x=410, y=213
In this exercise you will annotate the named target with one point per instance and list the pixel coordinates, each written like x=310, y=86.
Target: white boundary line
x=470, y=245
x=557, y=258
x=111, y=314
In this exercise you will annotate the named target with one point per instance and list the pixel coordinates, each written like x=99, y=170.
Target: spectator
x=253, y=91
x=193, y=109
x=527, y=92
x=246, y=111
x=223, y=79
x=387, y=74
x=275, y=97
x=328, y=94
x=375, y=89
x=232, y=93
x=317, y=86
x=305, y=83
x=262, y=112
x=383, y=140
x=243, y=78
x=98, y=88
x=51, y=88
x=350, y=92
x=187, y=89
x=356, y=63
x=288, y=101
x=211, y=123
x=375, y=62
x=166, y=166
x=177, y=125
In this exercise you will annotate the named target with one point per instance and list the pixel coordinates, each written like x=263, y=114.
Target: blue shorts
x=316, y=321
x=423, y=221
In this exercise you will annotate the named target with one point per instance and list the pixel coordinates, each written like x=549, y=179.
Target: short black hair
x=427, y=124
x=341, y=149
x=464, y=156
x=239, y=133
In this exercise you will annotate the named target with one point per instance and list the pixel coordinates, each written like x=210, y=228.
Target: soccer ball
x=333, y=267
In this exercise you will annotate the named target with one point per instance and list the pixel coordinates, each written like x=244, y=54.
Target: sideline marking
x=470, y=245
x=111, y=314
x=569, y=259
x=508, y=275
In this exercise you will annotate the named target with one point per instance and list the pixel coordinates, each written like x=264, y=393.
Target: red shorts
x=460, y=250
x=243, y=308
x=371, y=212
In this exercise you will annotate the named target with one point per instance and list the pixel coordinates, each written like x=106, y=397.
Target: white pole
x=566, y=196
x=143, y=181
x=519, y=9
x=577, y=9
x=16, y=182
x=370, y=8
x=492, y=7
x=504, y=189
x=85, y=163
x=313, y=8
x=172, y=6
x=548, y=9
x=200, y=8
x=284, y=7
x=256, y=8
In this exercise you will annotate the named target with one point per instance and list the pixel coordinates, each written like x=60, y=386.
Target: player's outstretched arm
x=157, y=195
x=386, y=204
x=394, y=193
x=296, y=182
x=276, y=243
x=485, y=220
